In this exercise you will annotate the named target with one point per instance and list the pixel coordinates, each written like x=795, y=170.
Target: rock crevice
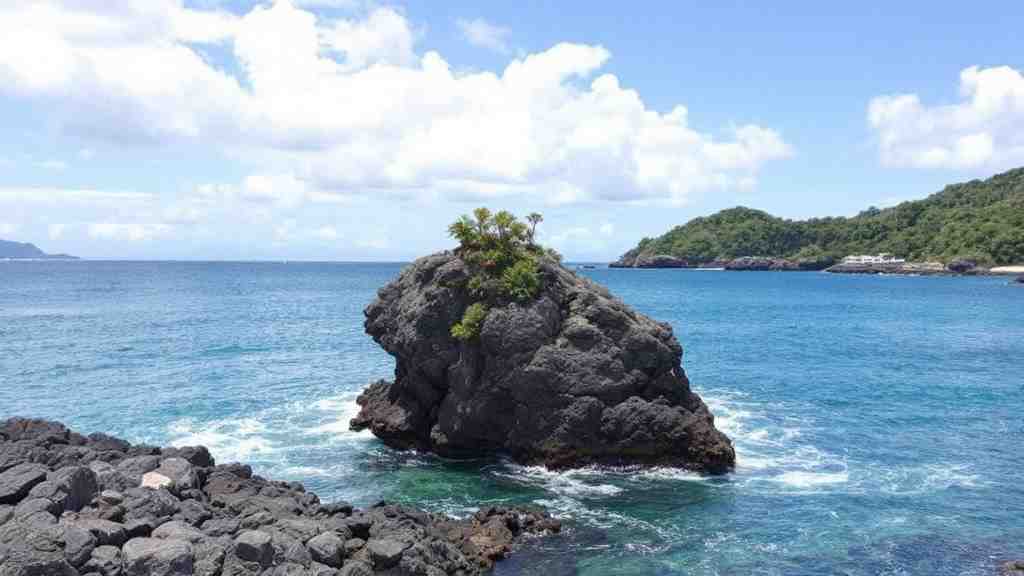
x=573, y=377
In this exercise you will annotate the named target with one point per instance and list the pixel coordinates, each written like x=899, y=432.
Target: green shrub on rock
x=472, y=319
x=503, y=261
x=521, y=281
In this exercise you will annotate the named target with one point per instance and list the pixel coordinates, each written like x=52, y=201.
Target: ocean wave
x=804, y=479
x=335, y=418
x=576, y=483
x=927, y=478
x=229, y=440
x=775, y=454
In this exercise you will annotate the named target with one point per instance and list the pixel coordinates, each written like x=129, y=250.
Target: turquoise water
x=879, y=421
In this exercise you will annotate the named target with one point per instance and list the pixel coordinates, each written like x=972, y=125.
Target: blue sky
x=327, y=129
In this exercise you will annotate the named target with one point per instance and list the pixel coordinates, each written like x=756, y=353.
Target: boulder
x=356, y=568
x=254, y=546
x=107, y=533
x=567, y=379
x=327, y=549
x=176, y=530
x=385, y=553
x=80, y=485
x=16, y=482
x=154, y=557
x=962, y=265
x=105, y=560
x=156, y=481
x=180, y=472
x=33, y=550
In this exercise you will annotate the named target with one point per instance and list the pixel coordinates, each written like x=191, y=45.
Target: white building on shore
x=882, y=258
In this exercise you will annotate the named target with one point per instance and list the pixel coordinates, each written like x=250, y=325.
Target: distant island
x=27, y=251
x=977, y=224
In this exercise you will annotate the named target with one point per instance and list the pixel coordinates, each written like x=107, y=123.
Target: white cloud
x=183, y=214
x=132, y=232
x=8, y=228
x=376, y=240
x=326, y=233
x=86, y=153
x=283, y=189
x=384, y=37
x=607, y=229
x=347, y=4
x=55, y=165
x=55, y=231
x=481, y=33
x=39, y=195
x=284, y=231
x=348, y=108
x=571, y=235
x=986, y=128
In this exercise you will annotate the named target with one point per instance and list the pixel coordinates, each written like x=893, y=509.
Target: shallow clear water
x=879, y=421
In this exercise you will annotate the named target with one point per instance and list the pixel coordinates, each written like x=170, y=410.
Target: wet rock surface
x=573, y=377
x=75, y=505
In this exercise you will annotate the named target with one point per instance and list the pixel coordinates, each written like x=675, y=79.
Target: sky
x=356, y=130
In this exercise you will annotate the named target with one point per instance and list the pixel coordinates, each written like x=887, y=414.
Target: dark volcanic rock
x=762, y=264
x=649, y=261
x=571, y=378
x=212, y=520
x=962, y=266
x=1012, y=568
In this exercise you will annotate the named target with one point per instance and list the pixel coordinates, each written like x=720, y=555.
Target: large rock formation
x=98, y=506
x=571, y=378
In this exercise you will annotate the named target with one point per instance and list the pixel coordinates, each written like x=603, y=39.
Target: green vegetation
x=472, y=320
x=503, y=259
x=980, y=220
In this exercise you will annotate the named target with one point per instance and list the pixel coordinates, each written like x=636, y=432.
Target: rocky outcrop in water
x=906, y=268
x=761, y=264
x=95, y=505
x=742, y=264
x=573, y=377
x=650, y=261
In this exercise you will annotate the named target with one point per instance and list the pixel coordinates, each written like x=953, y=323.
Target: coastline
x=73, y=504
x=767, y=264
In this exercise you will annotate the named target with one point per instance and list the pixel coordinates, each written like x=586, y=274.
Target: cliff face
x=571, y=378
x=96, y=505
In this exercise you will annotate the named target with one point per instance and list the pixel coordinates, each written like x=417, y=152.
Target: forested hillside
x=981, y=220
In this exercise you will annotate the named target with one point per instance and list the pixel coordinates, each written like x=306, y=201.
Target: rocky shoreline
x=742, y=264
x=767, y=264
x=74, y=505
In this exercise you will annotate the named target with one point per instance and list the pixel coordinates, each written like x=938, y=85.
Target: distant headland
x=974, y=227
x=27, y=251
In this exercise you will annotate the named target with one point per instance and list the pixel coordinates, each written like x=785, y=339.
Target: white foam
x=910, y=481
x=231, y=440
x=305, y=471
x=565, y=483
x=339, y=412
x=805, y=479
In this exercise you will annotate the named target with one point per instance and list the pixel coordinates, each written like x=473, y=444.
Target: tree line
x=978, y=220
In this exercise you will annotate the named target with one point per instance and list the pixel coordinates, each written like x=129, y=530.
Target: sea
x=878, y=420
